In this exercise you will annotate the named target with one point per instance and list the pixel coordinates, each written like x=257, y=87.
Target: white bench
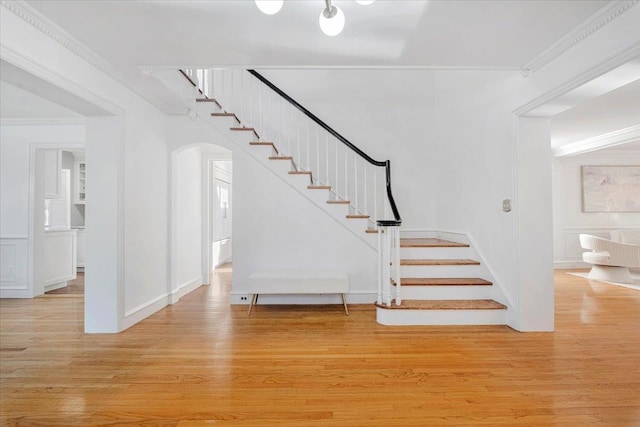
x=298, y=282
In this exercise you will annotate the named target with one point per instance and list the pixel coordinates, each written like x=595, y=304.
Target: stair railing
x=352, y=177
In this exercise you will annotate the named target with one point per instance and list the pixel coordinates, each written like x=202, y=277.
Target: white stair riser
x=441, y=317
x=437, y=253
x=438, y=271
x=444, y=292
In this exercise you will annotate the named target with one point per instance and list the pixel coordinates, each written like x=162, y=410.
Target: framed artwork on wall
x=611, y=188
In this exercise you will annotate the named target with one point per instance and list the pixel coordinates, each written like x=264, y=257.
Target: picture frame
x=610, y=188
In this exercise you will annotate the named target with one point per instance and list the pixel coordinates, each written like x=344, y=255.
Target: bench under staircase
x=424, y=279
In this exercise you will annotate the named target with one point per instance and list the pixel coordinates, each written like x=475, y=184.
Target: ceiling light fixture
x=270, y=7
x=331, y=18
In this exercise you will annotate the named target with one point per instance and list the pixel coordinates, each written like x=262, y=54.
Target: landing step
x=443, y=281
x=469, y=304
x=430, y=243
x=438, y=262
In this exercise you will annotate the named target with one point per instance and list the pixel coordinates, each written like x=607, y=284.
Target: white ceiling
x=389, y=33
x=482, y=33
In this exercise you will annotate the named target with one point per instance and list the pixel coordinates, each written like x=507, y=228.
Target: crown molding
x=596, y=22
x=44, y=122
x=52, y=30
x=607, y=140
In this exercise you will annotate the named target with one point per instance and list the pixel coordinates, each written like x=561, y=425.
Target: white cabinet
x=80, y=247
x=59, y=258
x=80, y=191
x=52, y=174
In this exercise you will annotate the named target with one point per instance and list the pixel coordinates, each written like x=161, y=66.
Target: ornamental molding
x=601, y=18
x=607, y=140
x=52, y=30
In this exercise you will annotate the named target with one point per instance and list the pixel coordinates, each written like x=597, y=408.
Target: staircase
x=424, y=278
x=442, y=285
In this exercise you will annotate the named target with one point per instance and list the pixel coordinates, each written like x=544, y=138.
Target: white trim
x=184, y=289
x=259, y=67
x=14, y=237
x=44, y=122
x=607, y=140
x=42, y=23
x=613, y=61
x=568, y=264
x=54, y=286
x=32, y=66
x=596, y=22
x=33, y=147
x=141, y=312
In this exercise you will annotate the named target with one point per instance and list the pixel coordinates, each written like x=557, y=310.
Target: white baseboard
x=54, y=286
x=143, y=311
x=570, y=264
x=184, y=289
x=15, y=293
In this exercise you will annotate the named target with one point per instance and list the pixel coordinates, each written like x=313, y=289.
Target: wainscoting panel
x=14, y=263
x=571, y=256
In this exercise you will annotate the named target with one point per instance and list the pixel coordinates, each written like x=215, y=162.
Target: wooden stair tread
x=241, y=129
x=357, y=216
x=430, y=243
x=319, y=187
x=280, y=158
x=223, y=115
x=371, y=230
x=438, y=262
x=468, y=304
x=444, y=281
x=209, y=100
x=299, y=172
x=338, y=202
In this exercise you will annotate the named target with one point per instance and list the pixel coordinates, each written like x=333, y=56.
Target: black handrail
x=387, y=163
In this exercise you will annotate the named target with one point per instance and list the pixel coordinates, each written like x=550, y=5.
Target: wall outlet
x=243, y=298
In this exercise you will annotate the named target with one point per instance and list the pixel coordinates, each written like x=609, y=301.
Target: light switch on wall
x=506, y=205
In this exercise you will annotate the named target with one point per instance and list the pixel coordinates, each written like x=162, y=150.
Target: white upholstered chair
x=611, y=260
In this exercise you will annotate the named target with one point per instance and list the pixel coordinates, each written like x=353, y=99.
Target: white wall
x=569, y=220
x=188, y=222
x=129, y=167
x=277, y=228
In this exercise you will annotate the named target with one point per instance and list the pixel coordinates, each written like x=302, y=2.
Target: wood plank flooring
x=202, y=362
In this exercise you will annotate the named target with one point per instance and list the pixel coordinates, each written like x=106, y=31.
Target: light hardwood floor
x=202, y=362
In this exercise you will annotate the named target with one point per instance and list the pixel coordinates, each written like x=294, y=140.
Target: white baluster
x=375, y=195
x=355, y=179
x=242, y=98
x=396, y=262
x=337, y=168
x=386, y=262
x=260, y=109
x=366, y=208
x=308, y=148
x=346, y=174
x=380, y=265
x=223, y=99
x=326, y=159
x=318, y=155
